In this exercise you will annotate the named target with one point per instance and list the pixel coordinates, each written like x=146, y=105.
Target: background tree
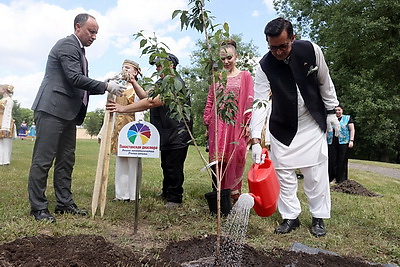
x=360, y=39
x=93, y=122
x=21, y=114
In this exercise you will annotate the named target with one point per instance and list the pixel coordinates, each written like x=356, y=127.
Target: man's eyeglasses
x=279, y=47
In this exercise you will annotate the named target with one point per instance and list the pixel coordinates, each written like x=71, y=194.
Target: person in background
x=338, y=147
x=6, y=123
x=303, y=108
x=23, y=129
x=231, y=139
x=174, y=137
x=128, y=170
x=59, y=106
x=32, y=131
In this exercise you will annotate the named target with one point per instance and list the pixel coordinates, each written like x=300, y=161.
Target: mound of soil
x=187, y=253
x=91, y=250
x=81, y=250
x=352, y=187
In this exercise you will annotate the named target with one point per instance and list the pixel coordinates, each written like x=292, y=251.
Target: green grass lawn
x=360, y=226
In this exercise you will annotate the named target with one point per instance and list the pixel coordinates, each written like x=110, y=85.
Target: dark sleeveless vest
x=283, y=79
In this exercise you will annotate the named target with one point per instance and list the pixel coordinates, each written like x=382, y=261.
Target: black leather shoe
x=287, y=226
x=72, y=209
x=43, y=215
x=317, y=227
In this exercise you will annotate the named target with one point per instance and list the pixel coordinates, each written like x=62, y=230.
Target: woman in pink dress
x=231, y=139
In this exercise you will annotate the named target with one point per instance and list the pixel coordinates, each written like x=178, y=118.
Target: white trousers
x=127, y=172
x=316, y=188
x=5, y=150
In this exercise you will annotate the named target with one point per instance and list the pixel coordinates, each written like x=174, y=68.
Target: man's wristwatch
x=332, y=111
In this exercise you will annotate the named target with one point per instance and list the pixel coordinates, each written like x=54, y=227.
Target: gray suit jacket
x=64, y=82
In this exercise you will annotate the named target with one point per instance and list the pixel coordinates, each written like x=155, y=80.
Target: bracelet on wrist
x=332, y=111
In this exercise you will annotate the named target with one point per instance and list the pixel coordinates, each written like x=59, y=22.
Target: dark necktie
x=85, y=98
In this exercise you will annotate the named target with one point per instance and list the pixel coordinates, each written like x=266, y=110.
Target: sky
x=30, y=28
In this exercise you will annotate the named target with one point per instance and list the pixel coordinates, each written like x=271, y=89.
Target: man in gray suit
x=60, y=105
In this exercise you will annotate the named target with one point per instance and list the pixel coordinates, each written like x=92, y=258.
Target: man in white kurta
x=299, y=143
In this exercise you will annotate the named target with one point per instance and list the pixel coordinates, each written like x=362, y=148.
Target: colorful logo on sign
x=139, y=130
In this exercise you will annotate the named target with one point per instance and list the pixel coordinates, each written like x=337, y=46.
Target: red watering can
x=264, y=186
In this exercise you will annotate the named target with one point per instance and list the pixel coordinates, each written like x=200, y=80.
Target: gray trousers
x=56, y=139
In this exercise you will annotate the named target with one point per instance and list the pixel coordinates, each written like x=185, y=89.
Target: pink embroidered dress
x=232, y=139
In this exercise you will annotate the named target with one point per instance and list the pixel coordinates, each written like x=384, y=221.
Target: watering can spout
x=246, y=200
x=264, y=187
x=257, y=200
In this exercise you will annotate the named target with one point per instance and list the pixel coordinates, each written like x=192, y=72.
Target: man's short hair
x=275, y=28
x=81, y=19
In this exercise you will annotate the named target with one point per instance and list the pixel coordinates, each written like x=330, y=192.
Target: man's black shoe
x=317, y=227
x=43, y=215
x=287, y=226
x=72, y=209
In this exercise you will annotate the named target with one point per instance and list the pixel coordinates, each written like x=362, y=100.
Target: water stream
x=234, y=231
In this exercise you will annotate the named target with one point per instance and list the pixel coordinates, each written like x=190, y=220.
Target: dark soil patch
x=352, y=187
x=194, y=249
x=81, y=250
x=90, y=250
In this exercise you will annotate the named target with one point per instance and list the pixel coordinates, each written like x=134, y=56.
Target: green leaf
x=175, y=13
x=143, y=42
x=226, y=27
x=165, y=81
x=178, y=84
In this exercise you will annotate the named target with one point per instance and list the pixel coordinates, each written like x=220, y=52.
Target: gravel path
x=390, y=172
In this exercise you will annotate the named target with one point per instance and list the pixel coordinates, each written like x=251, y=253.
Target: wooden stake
x=104, y=177
x=100, y=184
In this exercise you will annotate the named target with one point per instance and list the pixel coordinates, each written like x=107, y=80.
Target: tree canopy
x=360, y=39
x=21, y=114
x=94, y=121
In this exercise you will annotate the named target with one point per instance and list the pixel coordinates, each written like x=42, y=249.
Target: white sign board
x=139, y=139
